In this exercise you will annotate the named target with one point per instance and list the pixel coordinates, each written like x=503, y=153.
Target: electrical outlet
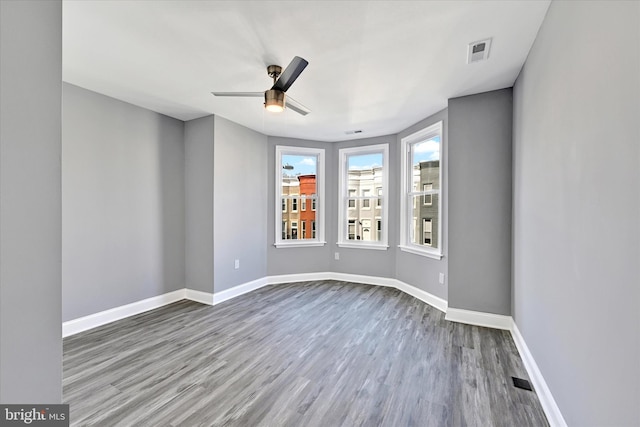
x=237, y=264
x=442, y=278
x=337, y=256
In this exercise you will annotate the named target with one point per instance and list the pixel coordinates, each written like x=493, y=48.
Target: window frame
x=317, y=200
x=407, y=192
x=344, y=197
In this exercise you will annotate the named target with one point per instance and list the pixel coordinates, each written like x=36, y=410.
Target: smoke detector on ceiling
x=478, y=51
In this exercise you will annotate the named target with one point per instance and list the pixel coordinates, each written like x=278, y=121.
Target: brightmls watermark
x=34, y=415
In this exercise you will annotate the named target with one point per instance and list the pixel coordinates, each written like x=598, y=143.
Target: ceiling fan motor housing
x=274, y=100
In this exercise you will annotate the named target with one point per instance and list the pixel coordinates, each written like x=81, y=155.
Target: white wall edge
x=549, y=406
x=72, y=327
x=478, y=318
x=238, y=290
x=199, y=296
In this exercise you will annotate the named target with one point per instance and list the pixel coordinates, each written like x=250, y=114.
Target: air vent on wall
x=478, y=51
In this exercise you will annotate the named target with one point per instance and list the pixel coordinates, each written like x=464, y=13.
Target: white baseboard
x=549, y=406
x=199, y=296
x=452, y=314
x=478, y=318
x=423, y=296
x=91, y=321
x=496, y=321
x=228, y=294
x=301, y=277
x=102, y=318
x=367, y=280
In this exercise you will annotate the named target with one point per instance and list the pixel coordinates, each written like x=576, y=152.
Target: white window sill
x=363, y=246
x=421, y=252
x=299, y=244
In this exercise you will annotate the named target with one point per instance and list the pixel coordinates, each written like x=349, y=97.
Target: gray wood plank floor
x=323, y=353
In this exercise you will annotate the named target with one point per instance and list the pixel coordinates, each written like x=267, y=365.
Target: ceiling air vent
x=352, y=132
x=478, y=51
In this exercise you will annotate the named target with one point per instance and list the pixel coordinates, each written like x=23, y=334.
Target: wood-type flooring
x=323, y=353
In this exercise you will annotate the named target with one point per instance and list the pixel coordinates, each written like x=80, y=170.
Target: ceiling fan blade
x=290, y=74
x=245, y=94
x=296, y=106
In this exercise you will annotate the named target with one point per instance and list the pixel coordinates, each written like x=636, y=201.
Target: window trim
x=343, y=197
x=406, y=188
x=319, y=153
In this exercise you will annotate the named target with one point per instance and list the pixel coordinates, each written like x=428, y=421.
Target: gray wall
x=480, y=169
x=30, y=204
x=416, y=270
x=122, y=203
x=240, y=204
x=577, y=209
x=298, y=260
x=198, y=142
x=368, y=262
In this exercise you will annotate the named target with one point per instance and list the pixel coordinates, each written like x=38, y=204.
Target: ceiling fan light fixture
x=274, y=100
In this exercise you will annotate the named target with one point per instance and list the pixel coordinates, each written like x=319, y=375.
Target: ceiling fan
x=275, y=98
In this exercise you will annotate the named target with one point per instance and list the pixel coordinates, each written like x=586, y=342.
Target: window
x=363, y=180
x=426, y=231
x=421, y=207
x=427, y=199
x=365, y=198
x=299, y=179
x=352, y=229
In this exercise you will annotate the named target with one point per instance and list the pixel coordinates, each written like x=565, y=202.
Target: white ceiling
x=378, y=66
